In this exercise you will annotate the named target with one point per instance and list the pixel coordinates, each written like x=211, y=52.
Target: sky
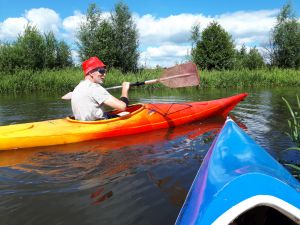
x=164, y=26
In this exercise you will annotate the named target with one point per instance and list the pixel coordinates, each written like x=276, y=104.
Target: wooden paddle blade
x=182, y=75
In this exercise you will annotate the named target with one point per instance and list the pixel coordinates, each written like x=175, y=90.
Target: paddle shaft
x=152, y=81
x=191, y=78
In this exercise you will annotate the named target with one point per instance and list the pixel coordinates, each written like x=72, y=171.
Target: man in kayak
x=89, y=97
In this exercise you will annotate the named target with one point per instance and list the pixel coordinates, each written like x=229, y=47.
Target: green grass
x=294, y=121
x=59, y=81
x=26, y=81
x=251, y=78
x=294, y=128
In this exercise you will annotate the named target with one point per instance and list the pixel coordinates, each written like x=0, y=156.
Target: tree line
x=214, y=48
x=114, y=39
x=34, y=51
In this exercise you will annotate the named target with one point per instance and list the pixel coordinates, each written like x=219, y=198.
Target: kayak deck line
x=239, y=181
x=9, y=132
x=141, y=118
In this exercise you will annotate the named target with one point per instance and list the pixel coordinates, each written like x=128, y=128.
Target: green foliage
x=297, y=168
x=215, y=49
x=285, y=40
x=195, y=36
x=294, y=126
x=125, y=36
x=113, y=40
x=250, y=78
x=50, y=49
x=294, y=121
x=32, y=48
x=240, y=56
x=91, y=41
x=34, y=51
x=10, y=57
x=64, y=80
x=253, y=60
x=63, y=55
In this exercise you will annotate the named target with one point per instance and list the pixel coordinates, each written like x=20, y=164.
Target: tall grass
x=59, y=81
x=251, y=78
x=26, y=81
x=294, y=127
x=294, y=122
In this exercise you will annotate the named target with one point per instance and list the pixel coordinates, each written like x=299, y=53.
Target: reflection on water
x=137, y=179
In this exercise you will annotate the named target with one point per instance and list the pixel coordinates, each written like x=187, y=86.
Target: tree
x=215, y=49
x=126, y=38
x=34, y=51
x=10, y=57
x=195, y=37
x=285, y=40
x=113, y=40
x=253, y=60
x=32, y=48
x=88, y=35
x=50, y=50
x=240, y=57
x=63, y=55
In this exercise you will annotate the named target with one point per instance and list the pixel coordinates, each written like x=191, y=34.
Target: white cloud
x=164, y=55
x=72, y=23
x=44, y=19
x=249, y=27
x=11, y=27
x=172, y=29
x=176, y=29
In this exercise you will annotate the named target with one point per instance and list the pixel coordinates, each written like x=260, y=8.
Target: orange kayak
x=140, y=118
x=17, y=159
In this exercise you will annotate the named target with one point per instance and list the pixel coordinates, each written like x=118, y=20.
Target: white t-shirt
x=87, y=99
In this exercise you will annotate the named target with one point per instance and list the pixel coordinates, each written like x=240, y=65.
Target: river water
x=139, y=179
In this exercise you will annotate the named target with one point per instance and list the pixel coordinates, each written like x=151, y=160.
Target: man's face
x=99, y=76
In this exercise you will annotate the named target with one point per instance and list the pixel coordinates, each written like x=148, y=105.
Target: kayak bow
x=141, y=118
x=240, y=183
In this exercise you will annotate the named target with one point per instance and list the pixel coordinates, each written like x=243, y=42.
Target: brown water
x=138, y=179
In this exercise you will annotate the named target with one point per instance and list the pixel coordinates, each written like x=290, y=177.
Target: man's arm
x=115, y=103
x=119, y=104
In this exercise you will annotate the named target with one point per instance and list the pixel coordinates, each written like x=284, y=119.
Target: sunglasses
x=101, y=70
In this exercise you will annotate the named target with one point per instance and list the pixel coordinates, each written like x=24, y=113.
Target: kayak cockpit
x=264, y=215
x=130, y=110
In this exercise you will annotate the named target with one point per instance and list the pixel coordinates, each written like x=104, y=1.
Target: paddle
x=182, y=75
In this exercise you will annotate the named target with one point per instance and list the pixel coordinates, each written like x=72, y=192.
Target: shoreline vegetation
x=64, y=80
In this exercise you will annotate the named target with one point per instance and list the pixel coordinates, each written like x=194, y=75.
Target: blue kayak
x=240, y=183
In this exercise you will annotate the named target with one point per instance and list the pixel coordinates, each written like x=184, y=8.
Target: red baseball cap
x=91, y=64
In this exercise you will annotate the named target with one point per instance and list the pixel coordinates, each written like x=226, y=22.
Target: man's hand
x=125, y=89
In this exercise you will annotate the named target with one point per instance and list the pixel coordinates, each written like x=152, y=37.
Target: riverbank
x=25, y=81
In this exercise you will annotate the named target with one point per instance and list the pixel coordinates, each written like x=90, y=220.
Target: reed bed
x=250, y=78
x=59, y=81
x=294, y=128
x=294, y=121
